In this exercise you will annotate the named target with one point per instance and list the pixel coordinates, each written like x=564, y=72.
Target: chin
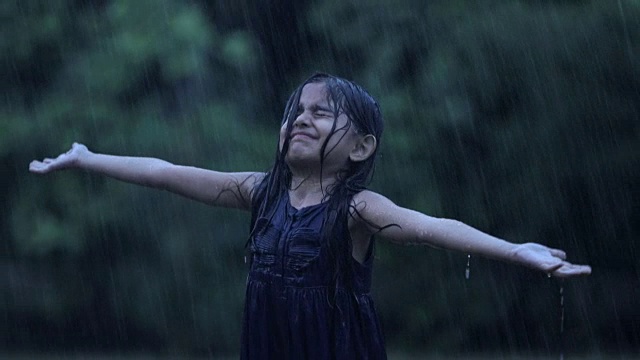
x=301, y=160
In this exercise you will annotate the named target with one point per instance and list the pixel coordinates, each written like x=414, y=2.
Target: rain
x=518, y=117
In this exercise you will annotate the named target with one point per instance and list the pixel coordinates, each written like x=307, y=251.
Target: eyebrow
x=316, y=107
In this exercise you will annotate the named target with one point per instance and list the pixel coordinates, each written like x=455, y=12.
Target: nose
x=302, y=120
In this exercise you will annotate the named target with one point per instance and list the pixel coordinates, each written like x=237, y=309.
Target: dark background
x=520, y=118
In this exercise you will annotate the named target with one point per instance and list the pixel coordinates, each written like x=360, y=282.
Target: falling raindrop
x=467, y=271
x=561, y=321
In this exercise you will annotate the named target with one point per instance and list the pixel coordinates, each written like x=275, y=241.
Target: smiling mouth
x=300, y=135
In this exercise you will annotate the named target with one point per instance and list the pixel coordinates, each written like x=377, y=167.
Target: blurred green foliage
x=518, y=117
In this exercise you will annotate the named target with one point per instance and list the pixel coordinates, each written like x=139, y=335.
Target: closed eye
x=323, y=111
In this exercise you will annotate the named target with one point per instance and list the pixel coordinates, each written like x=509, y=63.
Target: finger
x=558, y=253
x=37, y=167
x=568, y=270
x=550, y=268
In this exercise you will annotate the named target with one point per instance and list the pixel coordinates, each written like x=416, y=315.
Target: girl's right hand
x=70, y=159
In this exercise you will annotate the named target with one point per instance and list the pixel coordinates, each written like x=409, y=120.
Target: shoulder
x=368, y=200
x=369, y=210
x=250, y=182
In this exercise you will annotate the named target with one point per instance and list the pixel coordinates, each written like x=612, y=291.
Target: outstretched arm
x=211, y=187
x=411, y=227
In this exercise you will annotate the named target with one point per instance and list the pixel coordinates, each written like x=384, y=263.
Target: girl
x=312, y=225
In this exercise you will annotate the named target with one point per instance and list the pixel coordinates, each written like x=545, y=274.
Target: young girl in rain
x=312, y=225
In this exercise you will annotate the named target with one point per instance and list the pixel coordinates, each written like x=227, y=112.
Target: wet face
x=312, y=127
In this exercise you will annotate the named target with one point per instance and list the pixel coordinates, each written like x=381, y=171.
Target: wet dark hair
x=364, y=114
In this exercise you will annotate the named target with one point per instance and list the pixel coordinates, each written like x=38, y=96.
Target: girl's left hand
x=551, y=261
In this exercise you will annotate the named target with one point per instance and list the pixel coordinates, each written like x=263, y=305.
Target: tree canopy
x=520, y=118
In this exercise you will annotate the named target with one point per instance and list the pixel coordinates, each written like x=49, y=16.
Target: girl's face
x=311, y=129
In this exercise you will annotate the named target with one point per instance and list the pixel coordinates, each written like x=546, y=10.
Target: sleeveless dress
x=292, y=308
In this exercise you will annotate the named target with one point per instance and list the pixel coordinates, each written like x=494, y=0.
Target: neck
x=309, y=190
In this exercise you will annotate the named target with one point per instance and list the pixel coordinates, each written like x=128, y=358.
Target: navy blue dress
x=291, y=308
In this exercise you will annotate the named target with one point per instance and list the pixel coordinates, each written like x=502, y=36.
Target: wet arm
x=211, y=187
x=408, y=227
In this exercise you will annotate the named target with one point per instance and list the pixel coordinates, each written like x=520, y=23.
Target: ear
x=363, y=148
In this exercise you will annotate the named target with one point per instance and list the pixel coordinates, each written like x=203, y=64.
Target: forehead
x=314, y=93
